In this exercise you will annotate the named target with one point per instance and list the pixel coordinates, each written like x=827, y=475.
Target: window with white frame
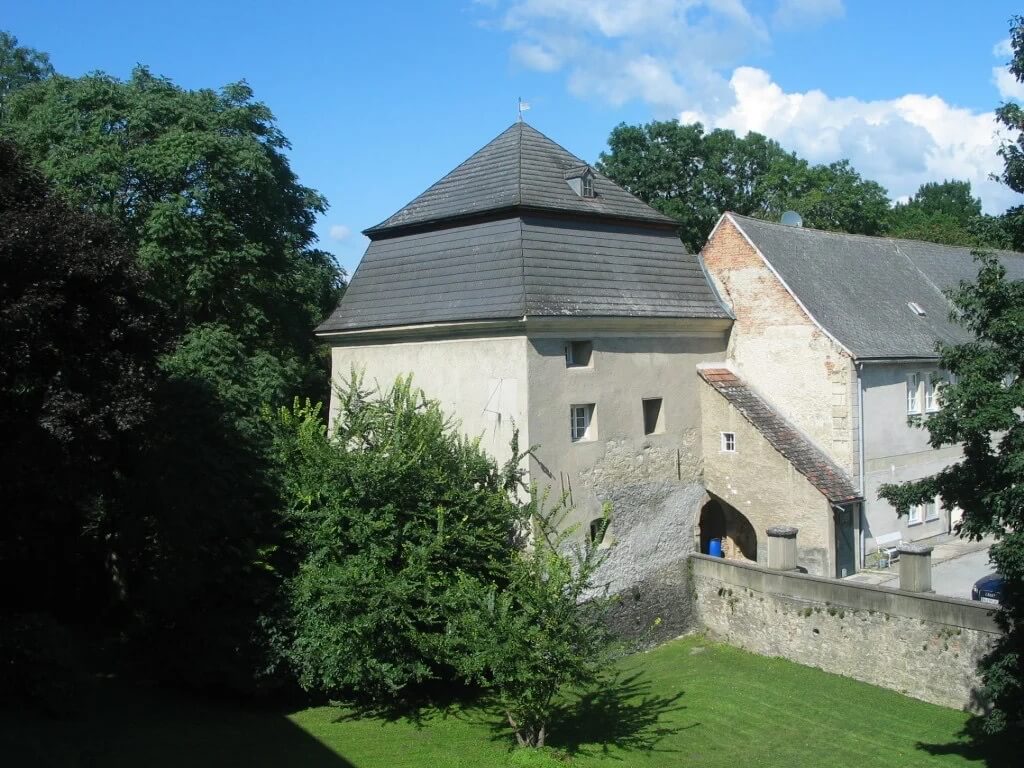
x=581, y=419
x=915, y=514
x=729, y=442
x=931, y=392
x=913, y=393
x=931, y=510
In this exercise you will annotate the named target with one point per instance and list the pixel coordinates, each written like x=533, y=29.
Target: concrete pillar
x=916, y=567
x=782, y=548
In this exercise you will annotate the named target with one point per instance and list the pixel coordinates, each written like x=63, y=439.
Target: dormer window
x=581, y=180
x=588, y=184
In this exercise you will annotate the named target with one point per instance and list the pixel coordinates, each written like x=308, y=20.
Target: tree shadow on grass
x=623, y=713
x=128, y=724
x=973, y=743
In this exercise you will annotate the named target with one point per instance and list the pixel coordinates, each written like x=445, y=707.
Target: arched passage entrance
x=721, y=520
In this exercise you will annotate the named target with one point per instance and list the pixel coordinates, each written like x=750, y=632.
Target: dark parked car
x=988, y=589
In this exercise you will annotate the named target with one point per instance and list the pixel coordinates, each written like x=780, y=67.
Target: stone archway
x=721, y=520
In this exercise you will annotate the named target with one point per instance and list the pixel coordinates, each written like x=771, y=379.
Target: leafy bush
x=543, y=632
x=383, y=517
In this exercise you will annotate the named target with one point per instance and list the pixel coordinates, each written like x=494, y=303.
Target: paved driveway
x=955, y=577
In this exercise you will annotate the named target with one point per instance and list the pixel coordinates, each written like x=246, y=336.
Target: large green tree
x=946, y=212
x=694, y=176
x=201, y=184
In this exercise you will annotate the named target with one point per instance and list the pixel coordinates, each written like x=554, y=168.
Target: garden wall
x=921, y=645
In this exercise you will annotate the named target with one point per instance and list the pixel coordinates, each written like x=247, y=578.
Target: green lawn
x=687, y=703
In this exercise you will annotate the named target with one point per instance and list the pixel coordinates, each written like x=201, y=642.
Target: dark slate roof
x=858, y=287
x=802, y=454
x=520, y=168
x=525, y=266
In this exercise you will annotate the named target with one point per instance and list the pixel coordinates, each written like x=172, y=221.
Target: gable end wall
x=776, y=347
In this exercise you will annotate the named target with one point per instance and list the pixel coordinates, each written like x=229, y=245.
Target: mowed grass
x=687, y=703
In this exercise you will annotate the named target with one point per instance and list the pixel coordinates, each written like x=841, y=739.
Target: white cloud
x=684, y=58
x=901, y=143
x=1003, y=48
x=339, y=232
x=800, y=13
x=536, y=57
x=1008, y=86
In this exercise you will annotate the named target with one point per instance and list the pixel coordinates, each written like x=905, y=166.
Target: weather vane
x=523, y=106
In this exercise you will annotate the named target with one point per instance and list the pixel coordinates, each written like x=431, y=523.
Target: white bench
x=888, y=547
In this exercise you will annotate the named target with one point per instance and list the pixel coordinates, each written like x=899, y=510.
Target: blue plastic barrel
x=715, y=547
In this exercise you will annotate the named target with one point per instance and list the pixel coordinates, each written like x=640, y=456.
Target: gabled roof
x=521, y=168
x=806, y=458
x=857, y=288
x=523, y=266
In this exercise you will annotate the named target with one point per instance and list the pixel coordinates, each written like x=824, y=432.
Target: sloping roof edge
x=805, y=457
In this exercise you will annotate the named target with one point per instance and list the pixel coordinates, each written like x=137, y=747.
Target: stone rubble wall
x=921, y=645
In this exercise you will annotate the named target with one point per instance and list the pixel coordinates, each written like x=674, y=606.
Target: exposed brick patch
x=805, y=458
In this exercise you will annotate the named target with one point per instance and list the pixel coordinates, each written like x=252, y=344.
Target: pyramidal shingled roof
x=505, y=237
x=521, y=168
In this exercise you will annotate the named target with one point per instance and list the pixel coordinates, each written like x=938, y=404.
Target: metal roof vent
x=792, y=219
x=916, y=308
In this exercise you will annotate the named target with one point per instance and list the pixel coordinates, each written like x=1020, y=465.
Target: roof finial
x=523, y=106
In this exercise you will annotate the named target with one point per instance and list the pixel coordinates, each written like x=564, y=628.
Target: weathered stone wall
x=921, y=645
x=761, y=483
x=780, y=351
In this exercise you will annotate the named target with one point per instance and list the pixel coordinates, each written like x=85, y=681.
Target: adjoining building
x=526, y=290
x=838, y=333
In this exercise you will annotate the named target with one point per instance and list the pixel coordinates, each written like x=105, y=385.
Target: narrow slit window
x=581, y=419
x=654, y=420
x=588, y=185
x=598, y=527
x=729, y=442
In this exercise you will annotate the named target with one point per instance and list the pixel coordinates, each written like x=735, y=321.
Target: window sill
x=914, y=524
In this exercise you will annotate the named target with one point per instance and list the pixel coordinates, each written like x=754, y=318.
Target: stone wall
x=921, y=645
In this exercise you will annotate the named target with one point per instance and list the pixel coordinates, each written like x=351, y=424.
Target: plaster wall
x=481, y=382
x=780, y=351
x=921, y=645
x=653, y=482
x=896, y=451
x=759, y=482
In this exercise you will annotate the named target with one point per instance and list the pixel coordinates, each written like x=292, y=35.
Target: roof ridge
x=861, y=236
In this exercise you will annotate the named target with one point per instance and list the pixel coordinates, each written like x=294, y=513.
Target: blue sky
x=381, y=99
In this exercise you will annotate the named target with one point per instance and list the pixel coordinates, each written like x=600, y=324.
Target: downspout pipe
x=860, y=456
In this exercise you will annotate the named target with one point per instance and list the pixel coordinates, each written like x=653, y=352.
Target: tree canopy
x=200, y=183
x=694, y=176
x=19, y=66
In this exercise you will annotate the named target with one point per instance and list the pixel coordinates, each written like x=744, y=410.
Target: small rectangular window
x=581, y=418
x=578, y=353
x=729, y=442
x=931, y=510
x=915, y=514
x=588, y=185
x=654, y=423
x=914, y=393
